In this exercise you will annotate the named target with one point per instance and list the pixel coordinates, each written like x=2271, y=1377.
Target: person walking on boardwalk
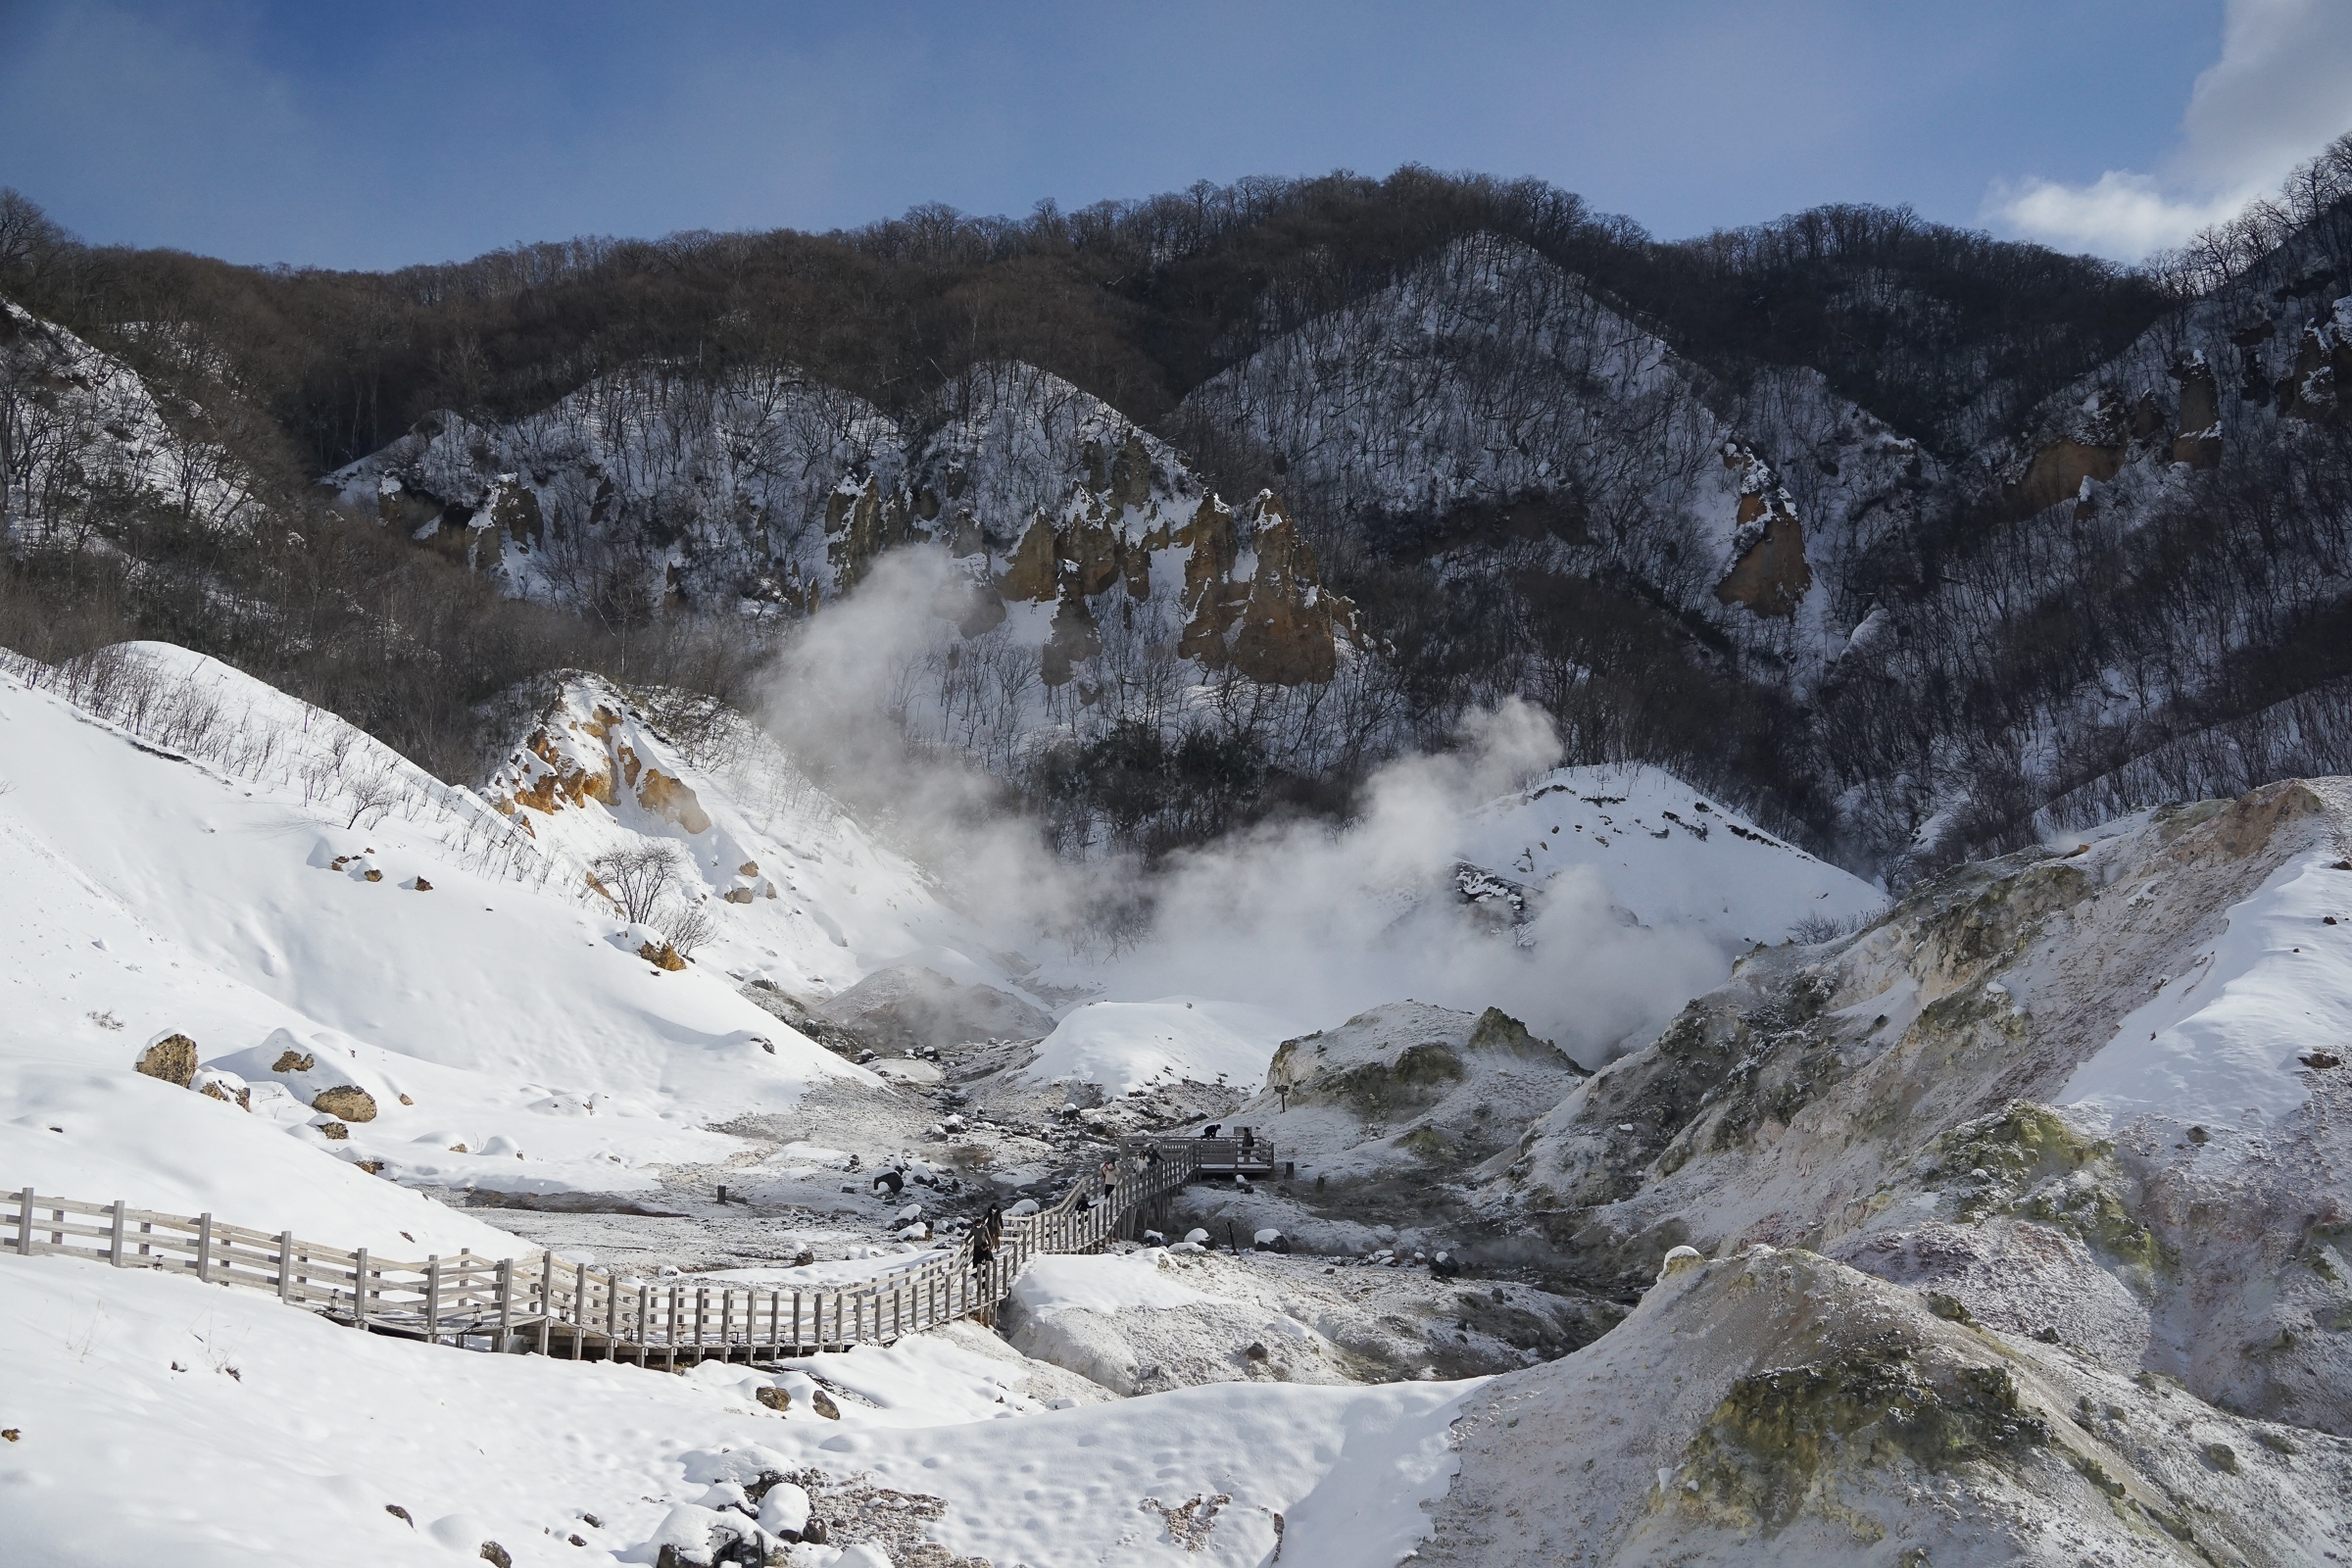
x=984, y=1244
x=985, y=1238
x=1110, y=1177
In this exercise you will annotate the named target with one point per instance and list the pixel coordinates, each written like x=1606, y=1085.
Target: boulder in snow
x=346, y=1100
x=171, y=1057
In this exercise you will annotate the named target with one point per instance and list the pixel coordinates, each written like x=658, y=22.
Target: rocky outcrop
x=1774, y=1406
x=1290, y=629
x=2056, y=471
x=2198, y=441
x=587, y=745
x=1253, y=599
x=1769, y=573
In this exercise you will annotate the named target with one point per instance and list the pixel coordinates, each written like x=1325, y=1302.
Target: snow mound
x=1121, y=1046
x=795, y=893
x=1667, y=854
x=1134, y=1282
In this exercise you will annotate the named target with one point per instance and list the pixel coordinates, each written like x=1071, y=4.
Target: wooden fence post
x=432, y=1300
x=506, y=1301
x=285, y=1266
x=358, y=1291
x=204, y=1248
x=579, y=1312
x=114, y=1249
x=25, y=1223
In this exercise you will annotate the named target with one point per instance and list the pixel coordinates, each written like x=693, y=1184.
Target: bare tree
x=377, y=792
x=639, y=877
x=686, y=924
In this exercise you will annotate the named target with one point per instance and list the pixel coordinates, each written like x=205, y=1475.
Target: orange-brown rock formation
x=2056, y=473
x=1290, y=627
x=1769, y=576
x=859, y=525
x=2197, y=439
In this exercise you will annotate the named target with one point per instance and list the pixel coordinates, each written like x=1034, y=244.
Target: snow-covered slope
x=1664, y=852
x=1123, y=1046
x=314, y=912
x=1590, y=903
x=1773, y=1407
x=793, y=891
x=285, y=1436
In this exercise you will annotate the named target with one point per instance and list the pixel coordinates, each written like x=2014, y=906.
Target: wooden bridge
x=1243, y=1155
x=540, y=1302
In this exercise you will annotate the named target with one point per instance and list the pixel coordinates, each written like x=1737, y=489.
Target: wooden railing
x=542, y=1302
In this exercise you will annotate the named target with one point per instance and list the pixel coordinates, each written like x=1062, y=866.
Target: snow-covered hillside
x=314, y=912
x=1589, y=904
x=1665, y=853
x=794, y=891
x=84, y=431
x=642, y=480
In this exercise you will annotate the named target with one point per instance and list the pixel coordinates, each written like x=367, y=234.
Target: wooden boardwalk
x=540, y=1302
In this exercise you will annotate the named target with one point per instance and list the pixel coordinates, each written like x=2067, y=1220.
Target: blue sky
x=374, y=136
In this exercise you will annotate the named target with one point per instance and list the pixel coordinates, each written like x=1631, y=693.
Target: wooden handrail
x=514, y=1303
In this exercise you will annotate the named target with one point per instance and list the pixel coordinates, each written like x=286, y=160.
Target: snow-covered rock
x=2087, y=1092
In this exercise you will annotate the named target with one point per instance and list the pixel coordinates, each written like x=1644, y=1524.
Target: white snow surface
x=2220, y=1043
x=826, y=903
x=319, y=1430
x=1106, y=1282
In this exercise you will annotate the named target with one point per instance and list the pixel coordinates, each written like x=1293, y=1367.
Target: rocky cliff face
x=770, y=492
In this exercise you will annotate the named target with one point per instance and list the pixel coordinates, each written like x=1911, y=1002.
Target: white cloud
x=2282, y=90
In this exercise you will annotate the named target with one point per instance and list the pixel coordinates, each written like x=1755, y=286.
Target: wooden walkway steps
x=541, y=1303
